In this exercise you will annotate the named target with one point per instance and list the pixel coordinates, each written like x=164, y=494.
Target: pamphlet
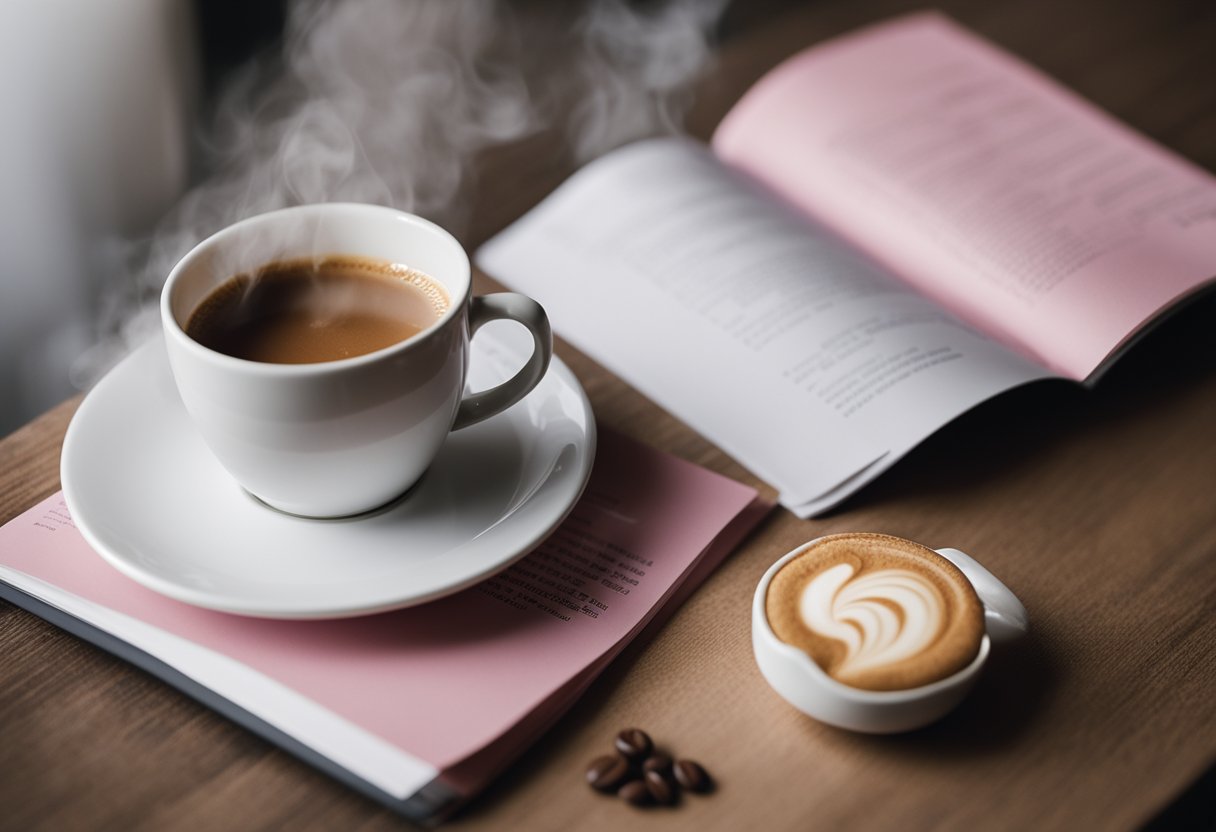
x=887, y=230
x=420, y=707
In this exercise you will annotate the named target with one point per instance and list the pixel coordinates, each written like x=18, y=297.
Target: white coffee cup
x=806, y=686
x=341, y=437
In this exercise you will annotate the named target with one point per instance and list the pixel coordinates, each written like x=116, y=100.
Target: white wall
x=93, y=146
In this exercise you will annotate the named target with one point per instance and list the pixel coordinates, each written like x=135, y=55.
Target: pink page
x=442, y=680
x=1025, y=210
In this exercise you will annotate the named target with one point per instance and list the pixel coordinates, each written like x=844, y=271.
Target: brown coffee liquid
x=307, y=311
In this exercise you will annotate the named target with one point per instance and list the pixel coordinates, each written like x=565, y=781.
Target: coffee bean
x=692, y=776
x=658, y=761
x=634, y=743
x=636, y=793
x=661, y=789
x=607, y=773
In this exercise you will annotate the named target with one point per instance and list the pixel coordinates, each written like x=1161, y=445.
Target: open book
x=417, y=708
x=888, y=229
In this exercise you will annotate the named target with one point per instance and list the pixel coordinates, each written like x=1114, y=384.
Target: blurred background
x=103, y=103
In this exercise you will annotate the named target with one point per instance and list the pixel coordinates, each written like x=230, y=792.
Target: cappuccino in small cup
x=876, y=612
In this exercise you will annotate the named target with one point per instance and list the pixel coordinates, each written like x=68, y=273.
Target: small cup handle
x=1005, y=618
x=521, y=309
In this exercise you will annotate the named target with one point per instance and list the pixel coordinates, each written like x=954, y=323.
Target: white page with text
x=795, y=354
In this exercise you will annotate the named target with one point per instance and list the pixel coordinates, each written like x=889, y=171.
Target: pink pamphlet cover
x=444, y=679
x=1027, y=211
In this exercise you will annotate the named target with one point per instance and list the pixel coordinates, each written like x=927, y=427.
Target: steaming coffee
x=305, y=311
x=332, y=438
x=876, y=612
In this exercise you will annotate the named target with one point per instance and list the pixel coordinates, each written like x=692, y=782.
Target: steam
x=636, y=71
x=392, y=101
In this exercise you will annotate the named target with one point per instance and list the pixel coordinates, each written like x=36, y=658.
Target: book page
x=1017, y=205
x=401, y=697
x=792, y=352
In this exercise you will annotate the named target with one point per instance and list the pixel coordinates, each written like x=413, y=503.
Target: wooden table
x=1098, y=508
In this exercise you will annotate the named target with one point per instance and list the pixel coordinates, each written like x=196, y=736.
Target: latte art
x=876, y=612
x=882, y=617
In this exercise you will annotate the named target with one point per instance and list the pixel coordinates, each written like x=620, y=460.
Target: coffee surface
x=307, y=311
x=877, y=612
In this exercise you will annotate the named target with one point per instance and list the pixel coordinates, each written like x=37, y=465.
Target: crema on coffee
x=877, y=612
x=306, y=311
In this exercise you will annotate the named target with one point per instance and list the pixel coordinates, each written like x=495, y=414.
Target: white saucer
x=148, y=495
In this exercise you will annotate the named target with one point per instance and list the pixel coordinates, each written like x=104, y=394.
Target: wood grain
x=1097, y=508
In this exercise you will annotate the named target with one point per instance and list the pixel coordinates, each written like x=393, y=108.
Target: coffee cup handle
x=1005, y=618
x=508, y=306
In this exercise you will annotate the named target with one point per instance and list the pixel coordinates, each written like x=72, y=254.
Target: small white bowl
x=806, y=686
